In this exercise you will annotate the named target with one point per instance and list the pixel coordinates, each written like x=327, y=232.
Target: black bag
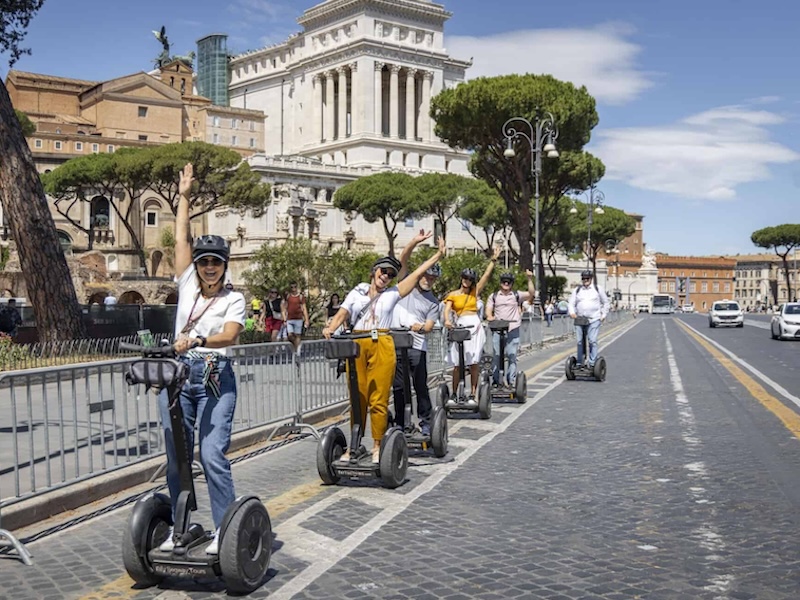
x=581, y=321
x=6, y=321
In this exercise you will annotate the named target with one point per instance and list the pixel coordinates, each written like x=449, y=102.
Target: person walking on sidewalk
x=209, y=319
x=591, y=303
x=505, y=306
x=417, y=312
x=295, y=315
x=463, y=303
x=368, y=308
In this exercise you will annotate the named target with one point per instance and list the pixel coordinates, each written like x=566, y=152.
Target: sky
x=699, y=101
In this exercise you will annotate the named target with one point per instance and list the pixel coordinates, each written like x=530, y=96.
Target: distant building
x=761, y=280
x=697, y=280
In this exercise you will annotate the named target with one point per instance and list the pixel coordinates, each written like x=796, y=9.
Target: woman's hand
x=326, y=332
x=186, y=180
x=183, y=345
x=421, y=237
x=496, y=252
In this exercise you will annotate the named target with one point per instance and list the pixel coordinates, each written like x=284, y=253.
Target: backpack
x=6, y=321
x=516, y=295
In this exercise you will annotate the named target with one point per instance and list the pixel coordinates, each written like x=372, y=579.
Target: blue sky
x=699, y=101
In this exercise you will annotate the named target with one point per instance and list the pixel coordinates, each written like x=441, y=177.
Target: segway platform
x=505, y=391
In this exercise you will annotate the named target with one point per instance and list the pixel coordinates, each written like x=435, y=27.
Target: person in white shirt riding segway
x=588, y=306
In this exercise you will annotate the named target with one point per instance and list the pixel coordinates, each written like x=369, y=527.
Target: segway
x=573, y=369
x=245, y=534
x=438, y=437
x=393, y=464
x=459, y=402
x=505, y=391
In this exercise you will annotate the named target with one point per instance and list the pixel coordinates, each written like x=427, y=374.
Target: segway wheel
x=439, y=435
x=394, y=459
x=569, y=368
x=330, y=449
x=442, y=395
x=521, y=388
x=484, y=401
x=600, y=369
x=246, y=547
x=147, y=528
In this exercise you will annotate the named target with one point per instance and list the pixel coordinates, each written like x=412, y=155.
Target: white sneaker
x=168, y=545
x=213, y=547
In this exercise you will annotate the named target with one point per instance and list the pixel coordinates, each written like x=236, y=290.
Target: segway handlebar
x=165, y=351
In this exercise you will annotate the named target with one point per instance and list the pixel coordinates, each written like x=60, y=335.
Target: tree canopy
x=28, y=127
x=471, y=116
x=781, y=239
x=612, y=224
x=15, y=16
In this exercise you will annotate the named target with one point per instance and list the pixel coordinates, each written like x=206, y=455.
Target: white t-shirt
x=377, y=316
x=227, y=306
x=109, y=300
x=417, y=307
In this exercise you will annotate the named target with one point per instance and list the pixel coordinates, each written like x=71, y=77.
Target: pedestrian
x=505, y=305
x=332, y=308
x=463, y=303
x=10, y=318
x=295, y=315
x=109, y=300
x=209, y=319
x=591, y=303
x=548, y=312
x=273, y=317
x=250, y=322
x=368, y=308
x=416, y=312
x=255, y=307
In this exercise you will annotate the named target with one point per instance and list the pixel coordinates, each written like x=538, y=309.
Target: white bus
x=663, y=304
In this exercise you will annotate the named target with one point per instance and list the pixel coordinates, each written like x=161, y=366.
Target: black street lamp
x=541, y=136
x=596, y=199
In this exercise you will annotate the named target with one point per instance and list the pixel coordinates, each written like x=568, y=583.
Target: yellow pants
x=375, y=369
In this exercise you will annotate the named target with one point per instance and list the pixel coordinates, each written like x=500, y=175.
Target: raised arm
x=531, y=288
x=407, y=285
x=409, y=249
x=488, y=272
x=183, y=233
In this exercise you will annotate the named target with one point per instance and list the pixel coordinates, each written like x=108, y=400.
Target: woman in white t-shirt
x=208, y=320
x=368, y=307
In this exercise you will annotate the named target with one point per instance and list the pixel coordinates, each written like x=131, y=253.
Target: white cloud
x=704, y=156
x=601, y=58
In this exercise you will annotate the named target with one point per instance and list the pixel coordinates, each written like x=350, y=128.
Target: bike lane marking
x=729, y=360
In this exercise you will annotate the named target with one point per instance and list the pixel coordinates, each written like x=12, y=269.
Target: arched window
x=152, y=208
x=66, y=242
x=112, y=263
x=100, y=213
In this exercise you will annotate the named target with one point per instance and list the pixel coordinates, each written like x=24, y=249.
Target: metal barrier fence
x=70, y=423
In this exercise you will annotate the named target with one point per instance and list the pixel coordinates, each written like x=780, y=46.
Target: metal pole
x=537, y=167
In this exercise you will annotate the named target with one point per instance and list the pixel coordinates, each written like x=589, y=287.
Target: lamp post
x=541, y=136
x=612, y=247
x=596, y=199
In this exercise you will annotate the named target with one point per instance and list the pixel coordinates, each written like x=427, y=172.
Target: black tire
x=154, y=514
x=569, y=368
x=246, y=547
x=330, y=449
x=772, y=333
x=711, y=325
x=442, y=394
x=484, y=401
x=521, y=388
x=740, y=325
x=394, y=459
x=600, y=369
x=439, y=434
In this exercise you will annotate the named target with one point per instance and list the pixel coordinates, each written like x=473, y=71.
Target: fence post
x=7, y=539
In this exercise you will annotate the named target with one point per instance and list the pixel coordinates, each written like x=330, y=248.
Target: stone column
x=341, y=130
x=394, y=104
x=425, y=109
x=378, y=98
x=330, y=115
x=317, y=109
x=355, y=91
x=411, y=104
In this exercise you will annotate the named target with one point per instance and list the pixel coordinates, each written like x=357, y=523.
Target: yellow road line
x=122, y=587
x=786, y=415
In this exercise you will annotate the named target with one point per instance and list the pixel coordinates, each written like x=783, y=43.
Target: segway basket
x=498, y=325
x=459, y=335
x=403, y=340
x=337, y=349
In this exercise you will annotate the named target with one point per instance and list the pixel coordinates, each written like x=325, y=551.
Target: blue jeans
x=512, y=345
x=216, y=417
x=593, y=329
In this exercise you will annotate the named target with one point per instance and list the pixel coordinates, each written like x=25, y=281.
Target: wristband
x=202, y=340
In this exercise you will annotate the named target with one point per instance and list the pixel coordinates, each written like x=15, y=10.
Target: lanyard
x=192, y=321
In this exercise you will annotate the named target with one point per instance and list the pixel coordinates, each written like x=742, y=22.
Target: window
x=215, y=121
x=79, y=146
x=110, y=148
x=142, y=111
x=215, y=138
x=252, y=125
x=37, y=143
x=716, y=287
x=95, y=148
x=409, y=222
x=142, y=138
x=58, y=145
x=727, y=287
x=252, y=142
x=234, y=140
x=704, y=287
x=234, y=123
x=151, y=218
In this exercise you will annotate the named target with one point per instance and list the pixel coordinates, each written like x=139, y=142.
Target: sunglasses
x=586, y=279
x=506, y=282
x=210, y=261
x=391, y=273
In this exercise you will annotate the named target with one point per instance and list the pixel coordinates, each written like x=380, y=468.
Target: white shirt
x=225, y=307
x=417, y=307
x=109, y=300
x=378, y=315
x=590, y=302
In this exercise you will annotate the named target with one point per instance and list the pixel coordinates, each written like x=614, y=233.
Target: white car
x=726, y=312
x=785, y=323
x=688, y=308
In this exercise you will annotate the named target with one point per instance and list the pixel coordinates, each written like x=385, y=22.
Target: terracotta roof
x=14, y=74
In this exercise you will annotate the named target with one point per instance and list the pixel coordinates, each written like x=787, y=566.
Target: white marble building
x=346, y=97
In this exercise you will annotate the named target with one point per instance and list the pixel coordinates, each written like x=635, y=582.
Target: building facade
x=696, y=280
x=761, y=280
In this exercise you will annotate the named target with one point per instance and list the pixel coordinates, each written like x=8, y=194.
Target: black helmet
x=469, y=274
x=586, y=274
x=507, y=276
x=387, y=262
x=211, y=245
x=435, y=270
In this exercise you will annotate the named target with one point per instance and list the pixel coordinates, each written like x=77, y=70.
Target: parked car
x=785, y=324
x=687, y=308
x=643, y=307
x=726, y=312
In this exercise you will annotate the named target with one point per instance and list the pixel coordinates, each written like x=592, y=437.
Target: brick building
x=697, y=280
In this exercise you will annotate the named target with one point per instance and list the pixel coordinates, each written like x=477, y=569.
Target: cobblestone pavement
x=667, y=481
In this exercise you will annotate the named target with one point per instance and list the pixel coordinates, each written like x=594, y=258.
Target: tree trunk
x=520, y=213
x=44, y=267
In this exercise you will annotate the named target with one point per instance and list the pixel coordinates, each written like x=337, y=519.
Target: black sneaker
x=425, y=429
